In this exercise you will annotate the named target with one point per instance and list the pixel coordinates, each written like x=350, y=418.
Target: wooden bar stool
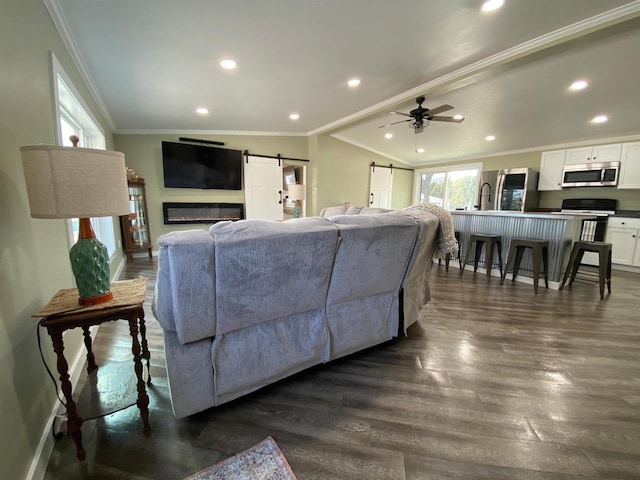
x=490, y=242
x=604, y=263
x=447, y=258
x=539, y=254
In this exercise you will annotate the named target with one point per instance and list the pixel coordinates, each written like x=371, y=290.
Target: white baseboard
x=625, y=268
x=39, y=462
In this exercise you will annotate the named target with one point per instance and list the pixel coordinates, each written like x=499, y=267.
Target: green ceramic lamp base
x=297, y=211
x=90, y=265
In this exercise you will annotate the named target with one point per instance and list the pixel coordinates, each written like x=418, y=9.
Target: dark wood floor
x=494, y=382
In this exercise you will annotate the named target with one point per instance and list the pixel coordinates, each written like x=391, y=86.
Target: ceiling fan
x=420, y=117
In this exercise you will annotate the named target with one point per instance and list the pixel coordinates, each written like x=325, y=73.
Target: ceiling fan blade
x=446, y=119
x=437, y=110
x=394, y=123
x=400, y=113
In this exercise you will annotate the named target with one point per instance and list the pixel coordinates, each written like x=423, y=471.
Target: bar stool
x=604, y=263
x=447, y=258
x=489, y=241
x=539, y=254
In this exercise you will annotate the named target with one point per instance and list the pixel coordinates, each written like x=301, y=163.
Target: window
x=450, y=188
x=74, y=118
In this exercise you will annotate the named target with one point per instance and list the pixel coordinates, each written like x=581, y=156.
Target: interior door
x=263, y=188
x=380, y=186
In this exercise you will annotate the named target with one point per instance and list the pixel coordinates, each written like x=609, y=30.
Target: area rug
x=263, y=461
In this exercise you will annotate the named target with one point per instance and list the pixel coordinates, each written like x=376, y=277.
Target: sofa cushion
x=353, y=210
x=268, y=269
x=373, y=255
x=332, y=211
x=374, y=211
x=187, y=258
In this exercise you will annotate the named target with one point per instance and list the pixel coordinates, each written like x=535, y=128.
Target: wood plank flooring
x=494, y=382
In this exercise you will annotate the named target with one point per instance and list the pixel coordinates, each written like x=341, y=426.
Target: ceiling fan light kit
x=421, y=117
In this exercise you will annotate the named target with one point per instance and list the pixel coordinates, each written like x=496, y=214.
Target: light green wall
x=143, y=153
x=34, y=260
x=627, y=199
x=336, y=172
x=343, y=175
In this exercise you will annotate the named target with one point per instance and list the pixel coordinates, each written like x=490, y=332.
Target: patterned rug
x=263, y=461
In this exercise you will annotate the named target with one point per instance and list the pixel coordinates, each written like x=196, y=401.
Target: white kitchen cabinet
x=596, y=154
x=551, y=165
x=624, y=236
x=630, y=166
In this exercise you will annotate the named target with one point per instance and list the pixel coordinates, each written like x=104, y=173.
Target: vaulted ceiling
x=151, y=63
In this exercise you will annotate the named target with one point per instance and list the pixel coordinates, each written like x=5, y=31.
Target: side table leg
x=74, y=422
x=143, y=398
x=91, y=360
x=145, y=347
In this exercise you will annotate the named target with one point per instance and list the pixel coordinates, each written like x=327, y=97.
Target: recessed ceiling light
x=599, y=119
x=458, y=117
x=578, y=85
x=420, y=150
x=490, y=138
x=294, y=116
x=354, y=82
x=228, y=64
x=388, y=135
x=491, y=5
x=202, y=110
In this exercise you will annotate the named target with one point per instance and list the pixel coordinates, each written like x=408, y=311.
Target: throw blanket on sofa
x=446, y=242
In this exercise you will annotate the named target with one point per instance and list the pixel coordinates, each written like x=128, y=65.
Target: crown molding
x=564, y=34
x=143, y=131
x=545, y=148
x=57, y=15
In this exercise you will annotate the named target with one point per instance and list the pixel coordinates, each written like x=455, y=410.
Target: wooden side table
x=63, y=313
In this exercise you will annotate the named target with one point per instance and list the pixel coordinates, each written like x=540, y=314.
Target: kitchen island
x=561, y=230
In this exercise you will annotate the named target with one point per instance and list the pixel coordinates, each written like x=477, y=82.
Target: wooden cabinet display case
x=135, y=227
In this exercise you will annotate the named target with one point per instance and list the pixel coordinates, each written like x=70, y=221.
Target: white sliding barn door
x=263, y=188
x=380, y=187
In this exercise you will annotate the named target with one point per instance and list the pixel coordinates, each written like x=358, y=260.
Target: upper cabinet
x=630, y=166
x=597, y=154
x=551, y=170
x=628, y=154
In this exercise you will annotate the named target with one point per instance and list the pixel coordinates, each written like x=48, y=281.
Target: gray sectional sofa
x=248, y=303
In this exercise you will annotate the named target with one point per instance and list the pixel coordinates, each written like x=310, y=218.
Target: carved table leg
x=74, y=422
x=145, y=347
x=143, y=398
x=91, y=360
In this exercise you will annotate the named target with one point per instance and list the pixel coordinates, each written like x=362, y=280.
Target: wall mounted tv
x=197, y=166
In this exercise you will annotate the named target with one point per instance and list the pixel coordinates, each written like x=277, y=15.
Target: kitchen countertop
x=628, y=213
x=504, y=213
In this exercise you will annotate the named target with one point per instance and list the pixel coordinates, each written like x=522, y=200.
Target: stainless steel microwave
x=591, y=175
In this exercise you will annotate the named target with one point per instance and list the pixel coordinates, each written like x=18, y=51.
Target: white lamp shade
x=70, y=182
x=297, y=192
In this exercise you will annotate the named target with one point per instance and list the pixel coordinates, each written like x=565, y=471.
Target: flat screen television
x=197, y=166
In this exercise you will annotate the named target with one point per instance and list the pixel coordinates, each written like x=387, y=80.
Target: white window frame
x=446, y=170
x=70, y=105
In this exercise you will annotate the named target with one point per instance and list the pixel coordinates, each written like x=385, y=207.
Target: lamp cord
x=55, y=384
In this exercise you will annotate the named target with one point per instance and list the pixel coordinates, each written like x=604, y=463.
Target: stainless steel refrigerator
x=517, y=190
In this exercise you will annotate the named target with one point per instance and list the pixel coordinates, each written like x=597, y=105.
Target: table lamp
x=297, y=192
x=71, y=182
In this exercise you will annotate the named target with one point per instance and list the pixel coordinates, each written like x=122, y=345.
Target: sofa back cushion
x=332, y=211
x=373, y=255
x=267, y=269
x=185, y=292
x=374, y=210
